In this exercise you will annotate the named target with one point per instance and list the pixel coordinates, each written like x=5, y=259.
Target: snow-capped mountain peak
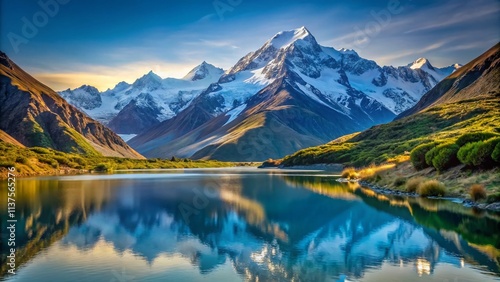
x=152, y=75
x=281, y=42
x=348, y=51
x=121, y=86
x=284, y=39
x=204, y=71
x=150, y=80
x=421, y=63
x=85, y=97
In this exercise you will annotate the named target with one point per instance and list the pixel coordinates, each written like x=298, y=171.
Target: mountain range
x=32, y=114
x=130, y=108
x=289, y=94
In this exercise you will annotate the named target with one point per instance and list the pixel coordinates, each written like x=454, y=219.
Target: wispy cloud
x=440, y=20
x=412, y=52
x=206, y=18
x=213, y=43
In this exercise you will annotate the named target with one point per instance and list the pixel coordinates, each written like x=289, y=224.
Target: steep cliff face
x=35, y=115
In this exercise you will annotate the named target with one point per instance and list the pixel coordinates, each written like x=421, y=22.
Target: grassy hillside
x=40, y=161
x=443, y=124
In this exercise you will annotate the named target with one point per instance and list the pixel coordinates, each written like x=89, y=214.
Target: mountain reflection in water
x=246, y=225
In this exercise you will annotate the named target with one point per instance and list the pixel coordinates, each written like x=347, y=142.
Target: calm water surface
x=241, y=225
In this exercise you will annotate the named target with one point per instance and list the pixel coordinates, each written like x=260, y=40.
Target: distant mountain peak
x=88, y=88
x=202, y=71
x=348, y=51
x=420, y=63
x=284, y=39
x=149, y=77
x=152, y=74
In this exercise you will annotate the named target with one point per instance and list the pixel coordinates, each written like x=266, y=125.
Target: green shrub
x=474, y=137
x=22, y=160
x=400, y=181
x=482, y=155
x=413, y=184
x=445, y=157
x=495, y=155
x=417, y=155
x=61, y=160
x=479, y=154
x=464, y=153
x=53, y=163
x=431, y=188
x=74, y=165
x=79, y=160
x=429, y=156
x=103, y=167
x=40, y=150
x=7, y=164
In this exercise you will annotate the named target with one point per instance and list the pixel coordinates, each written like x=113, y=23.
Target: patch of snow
x=246, y=84
x=234, y=113
x=418, y=63
x=127, y=137
x=285, y=38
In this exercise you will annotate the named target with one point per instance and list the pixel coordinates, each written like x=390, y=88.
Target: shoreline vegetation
x=474, y=188
x=478, y=189
x=38, y=161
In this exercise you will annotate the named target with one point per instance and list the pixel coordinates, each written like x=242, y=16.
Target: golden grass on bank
x=477, y=192
x=349, y=173
x=373, y=170
x=431, y=188
x=413, y=184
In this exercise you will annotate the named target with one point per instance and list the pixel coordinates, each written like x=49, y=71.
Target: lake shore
x=495, y=206
x=385, y=185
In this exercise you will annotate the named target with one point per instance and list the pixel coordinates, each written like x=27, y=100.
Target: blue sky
x=104, y=42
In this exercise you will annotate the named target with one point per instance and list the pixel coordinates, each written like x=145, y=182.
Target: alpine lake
x=240, y=224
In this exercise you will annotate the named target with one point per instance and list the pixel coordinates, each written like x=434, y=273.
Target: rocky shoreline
x=465, y=202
